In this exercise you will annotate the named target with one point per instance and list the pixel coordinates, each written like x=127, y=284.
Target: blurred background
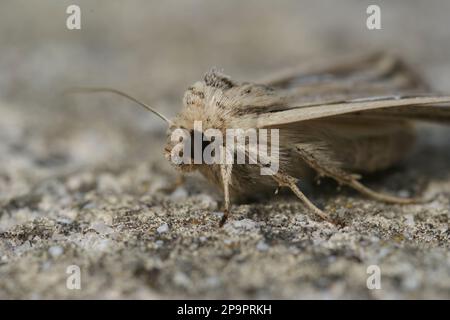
x=154, y=50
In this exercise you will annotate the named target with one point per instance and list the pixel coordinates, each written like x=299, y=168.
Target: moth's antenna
x=120, y=93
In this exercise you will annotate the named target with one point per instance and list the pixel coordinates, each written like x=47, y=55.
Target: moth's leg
x=383, y=197
x=326, y=167
x=225, y=171
x=285, y=180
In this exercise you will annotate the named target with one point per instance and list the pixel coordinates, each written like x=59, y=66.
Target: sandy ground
x=83, y=180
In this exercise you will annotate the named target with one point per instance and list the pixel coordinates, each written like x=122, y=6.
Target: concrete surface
x=83, y=180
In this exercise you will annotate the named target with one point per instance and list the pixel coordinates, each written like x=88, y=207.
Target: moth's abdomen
x=375, y=152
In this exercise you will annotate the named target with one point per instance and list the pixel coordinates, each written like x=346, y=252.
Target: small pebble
x=409, y=220
x=55, y=251
x=179, y=194
x=245, y=224
x=218, y=214
x=102, y=228
x=262, y=246
x=163, y=228
x=181, y=279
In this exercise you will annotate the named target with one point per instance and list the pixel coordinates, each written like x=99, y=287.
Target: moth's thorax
x=205, y=104
x=219, y=102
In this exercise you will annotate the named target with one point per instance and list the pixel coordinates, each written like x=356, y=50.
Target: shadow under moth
x=337, y=120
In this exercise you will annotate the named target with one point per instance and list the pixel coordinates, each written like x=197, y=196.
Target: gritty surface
x=83, y=180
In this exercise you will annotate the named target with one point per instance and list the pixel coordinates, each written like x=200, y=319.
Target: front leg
x=225, y=171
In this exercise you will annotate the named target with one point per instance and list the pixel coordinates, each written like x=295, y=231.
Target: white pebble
x=163, y=228
x=23, y=248
x=218, y=214
x=102, y=228
x=181, y=279
x=179, y=194
x=262, y=246
x=409, y=220
x=55, y=251
x=245, y=224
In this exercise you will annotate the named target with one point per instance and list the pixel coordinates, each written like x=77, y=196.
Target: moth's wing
x=378, y=85
x=428, y=113
x=428, y=108
x=377, y=74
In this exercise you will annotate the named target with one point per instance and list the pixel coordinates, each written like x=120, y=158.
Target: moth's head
x=185, y=147
x=197, y=103
x=176, y=144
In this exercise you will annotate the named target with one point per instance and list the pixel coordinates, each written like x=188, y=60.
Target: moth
x=337, y=119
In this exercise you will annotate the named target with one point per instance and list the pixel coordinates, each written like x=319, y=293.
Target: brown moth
x=338, y=120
